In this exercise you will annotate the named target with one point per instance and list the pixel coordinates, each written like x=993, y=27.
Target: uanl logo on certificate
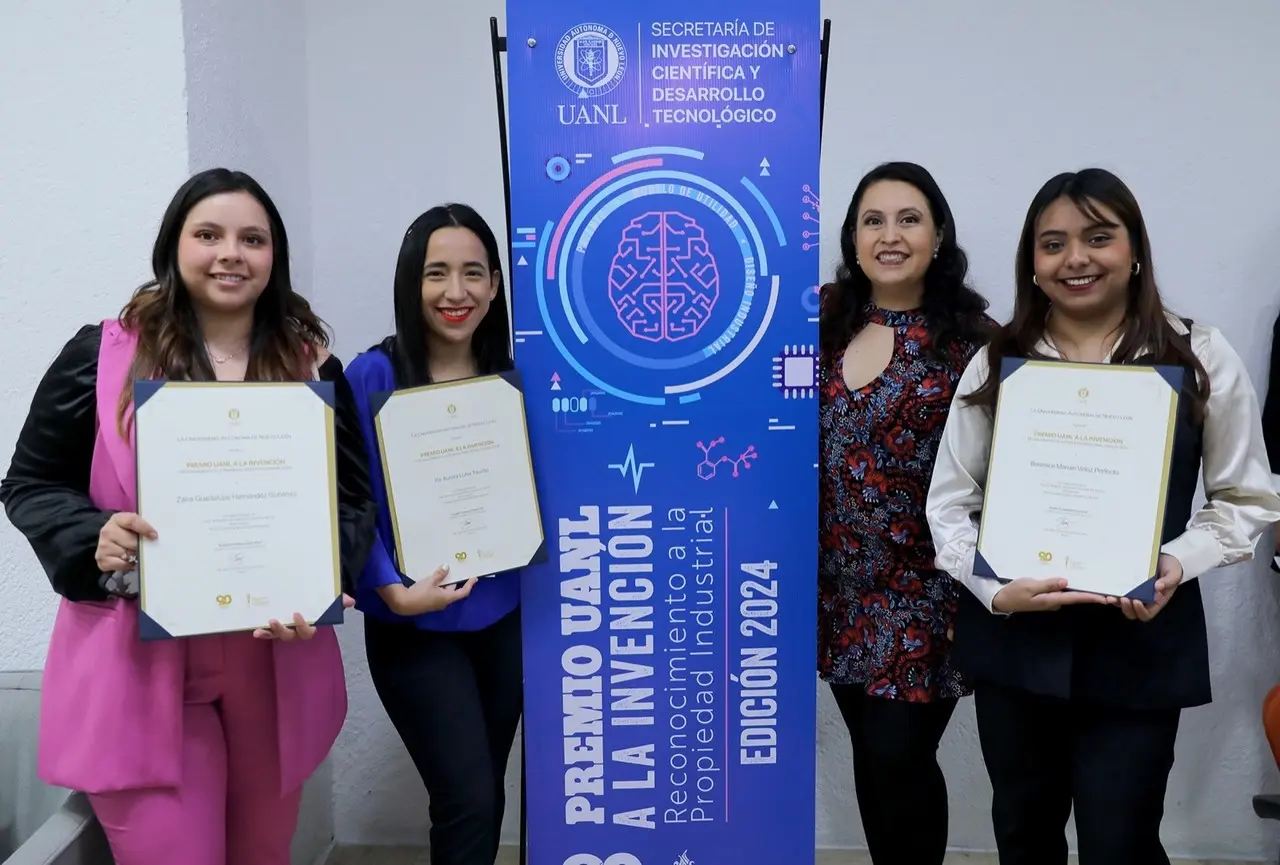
x=1079, y=474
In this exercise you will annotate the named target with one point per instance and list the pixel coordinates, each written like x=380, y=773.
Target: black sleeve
x=1271, y=404
x=356, y=508
x=46, y=491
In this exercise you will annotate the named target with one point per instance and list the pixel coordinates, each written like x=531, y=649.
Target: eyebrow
x=256, y=228
x=446, y=264
x=1093, y=226
x=873, y=211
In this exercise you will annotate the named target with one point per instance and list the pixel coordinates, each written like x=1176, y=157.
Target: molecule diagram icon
x=707, y=466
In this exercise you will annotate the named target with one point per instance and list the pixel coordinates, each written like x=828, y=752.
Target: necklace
x=219, y=359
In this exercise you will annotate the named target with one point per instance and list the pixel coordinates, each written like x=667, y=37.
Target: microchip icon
x=798, y=372
x=795, y=371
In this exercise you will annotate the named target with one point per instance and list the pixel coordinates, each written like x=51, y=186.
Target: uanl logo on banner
x=591, y=61
x=664, y=165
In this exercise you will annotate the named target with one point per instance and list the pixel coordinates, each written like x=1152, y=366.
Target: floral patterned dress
x=884, y=613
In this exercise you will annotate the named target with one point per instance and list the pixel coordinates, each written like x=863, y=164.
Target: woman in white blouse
x=1078, y=696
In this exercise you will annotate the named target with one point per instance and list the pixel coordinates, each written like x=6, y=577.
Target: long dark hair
x=170, y=345
x=407, y=348
x=953, y=311
x=1147, y=329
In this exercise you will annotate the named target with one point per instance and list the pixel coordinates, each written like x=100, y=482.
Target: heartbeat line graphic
x=630, y=465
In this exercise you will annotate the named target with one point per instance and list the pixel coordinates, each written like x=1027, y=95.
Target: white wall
x=247, y=104
x=93, y=141
x=399, y=115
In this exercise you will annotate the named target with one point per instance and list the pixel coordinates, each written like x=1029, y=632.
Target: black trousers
x=455, y=699
x=902, y=794
x=1045, y=755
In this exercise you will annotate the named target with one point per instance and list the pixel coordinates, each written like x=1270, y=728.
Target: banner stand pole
x=498, y=45
x=822, y=83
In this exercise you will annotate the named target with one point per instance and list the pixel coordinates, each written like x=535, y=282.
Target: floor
x=510, y=856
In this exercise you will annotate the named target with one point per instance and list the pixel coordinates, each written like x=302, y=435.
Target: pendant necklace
x=219, y=360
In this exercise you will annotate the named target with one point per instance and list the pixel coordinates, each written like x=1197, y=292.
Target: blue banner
x=664, y=184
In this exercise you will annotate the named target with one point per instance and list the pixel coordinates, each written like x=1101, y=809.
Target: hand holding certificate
x=238, y=481
x=459, y=478
x=1077, y=480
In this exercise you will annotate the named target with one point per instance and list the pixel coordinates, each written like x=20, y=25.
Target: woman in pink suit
x=192, y=751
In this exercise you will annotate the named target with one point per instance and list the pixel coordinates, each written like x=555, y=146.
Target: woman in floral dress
x=898, y=326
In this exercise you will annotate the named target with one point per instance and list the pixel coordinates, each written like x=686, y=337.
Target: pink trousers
x=228, y=810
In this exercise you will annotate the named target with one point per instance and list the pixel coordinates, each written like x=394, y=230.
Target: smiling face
x=225, y=252
x=457, y=284
x=895, y=236
x=1081, y=262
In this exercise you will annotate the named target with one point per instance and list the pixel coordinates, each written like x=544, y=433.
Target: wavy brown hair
x=285, y=332
x=1148, y=333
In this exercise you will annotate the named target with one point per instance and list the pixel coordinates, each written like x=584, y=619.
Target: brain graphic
x=663, y=282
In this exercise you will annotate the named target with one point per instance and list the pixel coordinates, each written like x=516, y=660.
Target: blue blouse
x=492, y=598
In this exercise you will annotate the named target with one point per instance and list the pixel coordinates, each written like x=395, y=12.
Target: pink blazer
x=111, y=705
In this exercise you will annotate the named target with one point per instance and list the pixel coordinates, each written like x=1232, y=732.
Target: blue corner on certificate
x=145, y=389
x=1174, y=376
x=539, y=555
x=982, y=568
x=333, y=615
x=326, y=391
x=378, y=400
x=1010, y=365
x=1145, y=593
x=513, y=378
x=149, y=629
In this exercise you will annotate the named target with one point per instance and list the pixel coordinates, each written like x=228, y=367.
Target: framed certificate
x=239, y=481
x=459, y=476
x=1079, y=474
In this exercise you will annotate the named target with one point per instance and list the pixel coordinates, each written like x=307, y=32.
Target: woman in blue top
x=445, y=660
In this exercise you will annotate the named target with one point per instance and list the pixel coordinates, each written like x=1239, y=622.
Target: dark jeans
x=1045, y=755
x=455, y=698
x=902, y=794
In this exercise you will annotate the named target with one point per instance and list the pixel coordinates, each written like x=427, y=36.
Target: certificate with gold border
x=239, y=481
x=1079, y=474
x=459, y=476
